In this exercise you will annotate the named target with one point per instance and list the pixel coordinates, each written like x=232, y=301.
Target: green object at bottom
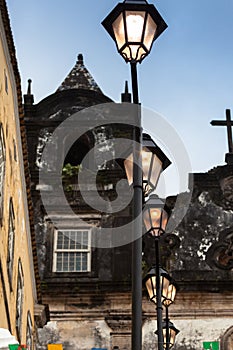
x=211, y=345
x=13, y=346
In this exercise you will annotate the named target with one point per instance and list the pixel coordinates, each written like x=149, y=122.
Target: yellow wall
x=14, y=187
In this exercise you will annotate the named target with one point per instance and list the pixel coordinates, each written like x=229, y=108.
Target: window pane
x=72, y=260
x=78, y=261
x=84, y=261
x=59, y=240
x=65, y=262
x=59, y=262
x=66, y=241
x=78, y=239
x=85, y=240
x=72, y=239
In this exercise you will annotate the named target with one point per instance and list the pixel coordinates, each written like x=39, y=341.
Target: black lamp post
x=134, y=25
x=168, y=290
x=160, y=285
x=169, y=332
x=155, y=217
x=154, y=161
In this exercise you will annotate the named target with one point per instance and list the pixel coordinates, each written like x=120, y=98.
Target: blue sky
x=188, y=77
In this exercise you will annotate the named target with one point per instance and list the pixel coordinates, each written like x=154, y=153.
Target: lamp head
x=155, y=216
x=134, y=25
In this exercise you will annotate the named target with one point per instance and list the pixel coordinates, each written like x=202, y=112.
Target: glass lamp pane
x=134, y=25
x=156, y=170
x=126, y=53
x=146, y=162
x=164, y=338
x=164, y=220
x=133, y=52
x=164, y=282
x=147, y=220
x=128, y=164
x=150, y=31
x=172, y=337
x=141, y=53
x=119, y=31
x=171, y=293
x=155, y=215
x=150, y=286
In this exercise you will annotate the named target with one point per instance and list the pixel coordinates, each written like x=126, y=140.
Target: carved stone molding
x=227, y=340
x=119, y=323
x=227, y=189
x=121, y=331
x=224, y=178
x=220, y=254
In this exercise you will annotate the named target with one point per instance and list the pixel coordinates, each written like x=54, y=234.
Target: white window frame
x=63, y=250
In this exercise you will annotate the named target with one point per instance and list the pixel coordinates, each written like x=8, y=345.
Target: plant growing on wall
x=69, y=171
x=70, y=175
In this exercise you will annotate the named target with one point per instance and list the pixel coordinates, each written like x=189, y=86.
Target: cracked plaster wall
x=84, y=335
x=75, y=335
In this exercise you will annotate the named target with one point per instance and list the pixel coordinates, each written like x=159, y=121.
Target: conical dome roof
x=79, y=78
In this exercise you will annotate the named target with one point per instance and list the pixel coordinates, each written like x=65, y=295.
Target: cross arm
x=220, y=122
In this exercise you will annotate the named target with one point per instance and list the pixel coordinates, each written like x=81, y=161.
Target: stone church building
x=88, y=288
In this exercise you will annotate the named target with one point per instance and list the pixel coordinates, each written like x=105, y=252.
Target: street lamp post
x=169, y=332
x=167, y=289
x=154, y=161
x=134, y=25
x=160, y=286
x=155, y=217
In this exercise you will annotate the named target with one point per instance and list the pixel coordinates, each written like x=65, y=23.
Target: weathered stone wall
x=76, y=334
x=193, y=333
x=85, y=321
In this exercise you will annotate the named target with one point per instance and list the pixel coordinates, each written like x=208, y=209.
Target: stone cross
x=228, y=123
